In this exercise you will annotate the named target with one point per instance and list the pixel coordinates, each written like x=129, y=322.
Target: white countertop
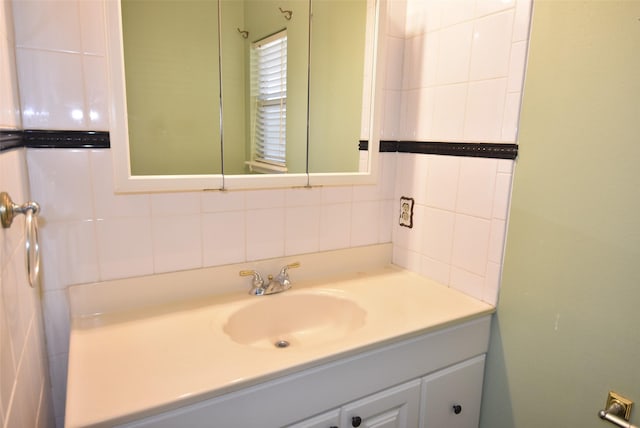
x=135, y=363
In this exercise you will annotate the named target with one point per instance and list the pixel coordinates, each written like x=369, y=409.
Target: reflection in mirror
x=337, y=78
x=172, y=86
x=265, y=91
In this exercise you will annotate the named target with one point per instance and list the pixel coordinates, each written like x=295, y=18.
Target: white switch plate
x=406, y=211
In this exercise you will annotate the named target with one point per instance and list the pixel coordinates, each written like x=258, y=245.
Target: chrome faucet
x=278, y=284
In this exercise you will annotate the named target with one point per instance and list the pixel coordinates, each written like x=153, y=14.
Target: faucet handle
x=257, y=285
x=283, y=276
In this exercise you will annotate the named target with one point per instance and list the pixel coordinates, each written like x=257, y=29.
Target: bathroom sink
x=302, y=319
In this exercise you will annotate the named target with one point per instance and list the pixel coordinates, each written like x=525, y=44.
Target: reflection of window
x=269, y=93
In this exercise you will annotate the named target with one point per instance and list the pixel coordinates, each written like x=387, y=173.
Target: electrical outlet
x=406, y=212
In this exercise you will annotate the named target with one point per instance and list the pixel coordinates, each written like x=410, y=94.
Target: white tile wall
x=462, y=71
x=449, y=60
x=25, y=394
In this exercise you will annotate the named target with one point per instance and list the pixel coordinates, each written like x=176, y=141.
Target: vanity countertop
x=131, y=364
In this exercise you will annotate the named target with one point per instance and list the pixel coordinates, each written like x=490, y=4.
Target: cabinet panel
x=396, y=407
x=451, y=397
x=326, y=420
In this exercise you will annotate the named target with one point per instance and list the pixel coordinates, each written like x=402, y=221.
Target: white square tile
x=416, y=18
x=96, y=92
x=10, y=101
x=437, y=239
x=177, y=242
x=413, y=58
x=92, y=27
x=7, y=366
x=491, y=47
x=213, y=202
x=438, y=271
x=429, y=64
x=335, y=226
x=302, y=230
x=522, y=20
x=511, y=118
x=434, y=14
x=365, y=223
x=502, y=196
x=56, y=321
x=262, y=199
x=449, y=112
x=471, y=243
x=444, y=172
x=496, y=240
x=454, y=54
x=394, y=63
x=487, y=7
x=485, y=110
x=517, y=63
x=413, y=178
x=505, y=166
x=265, y=233
x=476, y=186
x=387, y=167
x=223, y=238
x=456, y=11
x=60, y=183
x=124, y=247
x=387, y=216
x=166, y=204
x=108, y=204
x=391, y=115
x=52, y=25
x=69, y=254
x=303, y=197
x=492, y=284
x=423, y=114
x=467, y=283
x=336, y=194
x=396, y=19
x=51, y=89
x=406, y=259
x=407, y=115
x=409, y=237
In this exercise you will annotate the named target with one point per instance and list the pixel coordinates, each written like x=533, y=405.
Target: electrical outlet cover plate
x=406, y=212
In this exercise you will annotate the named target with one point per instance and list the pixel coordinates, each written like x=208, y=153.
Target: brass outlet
x=624, y=403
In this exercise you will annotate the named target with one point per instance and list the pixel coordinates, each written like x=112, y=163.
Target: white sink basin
x=302, y=319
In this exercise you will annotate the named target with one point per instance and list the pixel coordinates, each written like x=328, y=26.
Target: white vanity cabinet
x=447, y=398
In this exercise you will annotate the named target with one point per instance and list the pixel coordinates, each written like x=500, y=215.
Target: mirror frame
x=125, y=182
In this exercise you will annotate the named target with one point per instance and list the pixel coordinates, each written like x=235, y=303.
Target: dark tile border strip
x=10, y=139
x=100, y=140
x=66, y=139
x=481, y=150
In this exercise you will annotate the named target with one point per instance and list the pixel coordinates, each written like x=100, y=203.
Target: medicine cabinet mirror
x=232, y=94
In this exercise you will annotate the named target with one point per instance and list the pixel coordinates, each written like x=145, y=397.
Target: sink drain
x=281, y=344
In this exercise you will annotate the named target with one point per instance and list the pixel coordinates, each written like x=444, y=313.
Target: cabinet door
x=325, y=420
x=396, y=407
x=451, y=397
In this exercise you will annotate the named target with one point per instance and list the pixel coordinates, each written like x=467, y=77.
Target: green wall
x=336, y=84
x=567, y=328
x=172, y=86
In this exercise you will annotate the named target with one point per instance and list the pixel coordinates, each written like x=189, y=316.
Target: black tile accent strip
x=363, y=145
x=66, y=139
x=481, y=150
x=10, y=139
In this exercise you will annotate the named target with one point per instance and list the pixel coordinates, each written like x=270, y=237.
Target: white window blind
x=269, y=91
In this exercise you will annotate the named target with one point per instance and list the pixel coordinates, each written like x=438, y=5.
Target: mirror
x=184, y=118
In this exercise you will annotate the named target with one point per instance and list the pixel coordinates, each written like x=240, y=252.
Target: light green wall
x=337, y=67
x=567, y=327
x=172, y=86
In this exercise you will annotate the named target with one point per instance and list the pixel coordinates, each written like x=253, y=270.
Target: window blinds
x=269, y=89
